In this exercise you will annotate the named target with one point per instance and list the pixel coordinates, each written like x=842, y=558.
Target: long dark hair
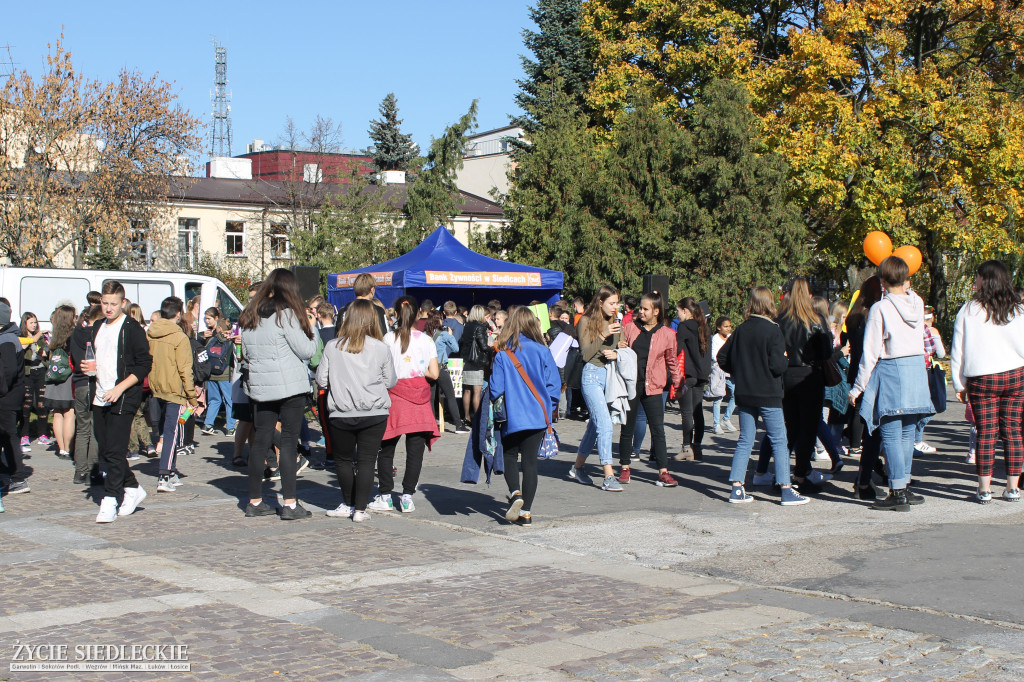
x=870, y=294
x=657, y=302
x=703, y=330
x=23, y=330
x=280, y=290
x=995, y=293
x=406, y=309
x=63, y=322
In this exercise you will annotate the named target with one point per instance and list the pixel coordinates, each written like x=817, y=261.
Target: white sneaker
x=818, y=478
x=108, y=510
x=819, y=455
x=727, y=425
x=719, y=430
x=360, y=516
x=970, y=457
x=175, y=481
x=342, y=512
x=407, y=505
x=924, y=448
x=764, y=479
x=164, y=485
x=382, y=503
x=133, y=497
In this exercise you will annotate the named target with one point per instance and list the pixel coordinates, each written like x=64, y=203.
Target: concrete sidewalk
x=649, y=583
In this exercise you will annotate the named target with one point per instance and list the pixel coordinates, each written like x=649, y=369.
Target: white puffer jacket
x=276, y=357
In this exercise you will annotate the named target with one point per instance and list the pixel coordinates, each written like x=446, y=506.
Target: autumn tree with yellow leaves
x=903, y=117
x=84, y=162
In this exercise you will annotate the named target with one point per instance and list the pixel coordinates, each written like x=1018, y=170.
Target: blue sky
x=298, y=59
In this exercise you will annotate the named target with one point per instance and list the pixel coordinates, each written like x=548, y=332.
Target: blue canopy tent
x=441, y=269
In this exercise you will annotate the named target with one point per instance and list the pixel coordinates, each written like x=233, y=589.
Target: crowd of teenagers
x=858, y=383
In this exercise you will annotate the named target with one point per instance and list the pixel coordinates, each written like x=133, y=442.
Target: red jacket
x=411, y=411
x=661, y=360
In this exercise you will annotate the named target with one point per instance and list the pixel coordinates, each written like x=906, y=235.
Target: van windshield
x=227, y=306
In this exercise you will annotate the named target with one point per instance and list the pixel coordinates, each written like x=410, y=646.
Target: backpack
x=221, y=353
x=59, y=368
x=202, y=367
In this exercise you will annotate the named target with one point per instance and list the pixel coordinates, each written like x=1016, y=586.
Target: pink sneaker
x=970, y=457
x=45, y=440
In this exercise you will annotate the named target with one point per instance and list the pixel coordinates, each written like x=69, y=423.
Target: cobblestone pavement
x=651, y=583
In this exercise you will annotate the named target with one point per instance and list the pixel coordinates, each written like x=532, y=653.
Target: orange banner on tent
x=490, y=279
x=382, y=279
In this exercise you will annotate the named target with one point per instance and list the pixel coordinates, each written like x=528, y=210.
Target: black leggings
x=447, y=388
x=801, y=408
x=265, y=418
x=872, y=444
x=35, y=390
x=527, y=444
x=415, y=444
x=655, y=411
x=691, y=408
x=349, y=444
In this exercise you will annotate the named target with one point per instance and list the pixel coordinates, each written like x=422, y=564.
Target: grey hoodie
x=895, y=329
x=358, y=382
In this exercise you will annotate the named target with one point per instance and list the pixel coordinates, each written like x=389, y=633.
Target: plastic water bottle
x=89, y=364
x=183, y=417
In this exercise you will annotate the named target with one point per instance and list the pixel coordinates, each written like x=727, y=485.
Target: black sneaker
x=463, y=427
x=525, y=519
x=317, y=466
x=207, y=431
x=271, y=474
x=80, y=479
x=302, y=465
x=896, y=500
x=289, y=514
x=261, y=509
x=18, y=487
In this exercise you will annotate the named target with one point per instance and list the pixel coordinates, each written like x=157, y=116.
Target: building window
x=188, y=243
x=140, y=246
x=280, y=245
x=234, y=238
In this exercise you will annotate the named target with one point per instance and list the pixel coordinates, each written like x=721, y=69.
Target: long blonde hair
x=593, y=320
x=799, y=306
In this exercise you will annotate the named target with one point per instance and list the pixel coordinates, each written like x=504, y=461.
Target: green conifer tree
x=558, y=44
x=433, y=197
x=392, y=149
x=549, y=206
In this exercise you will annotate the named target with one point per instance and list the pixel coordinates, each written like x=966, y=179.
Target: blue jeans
x=919, y=431
x=775, y=426
x=599, y=428
x=716, y=406
x=218, y=392
x=898, y=443
x=641, y=421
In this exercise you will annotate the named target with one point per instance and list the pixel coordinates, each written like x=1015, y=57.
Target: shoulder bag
x=549, y=446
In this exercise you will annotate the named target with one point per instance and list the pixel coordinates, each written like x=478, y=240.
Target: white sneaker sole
x=513, y=510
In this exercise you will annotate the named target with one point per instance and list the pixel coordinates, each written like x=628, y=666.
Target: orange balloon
x=911, y=255
x=877, y=246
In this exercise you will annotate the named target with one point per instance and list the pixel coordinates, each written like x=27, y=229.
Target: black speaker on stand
x=308, y=279
x=657, y=283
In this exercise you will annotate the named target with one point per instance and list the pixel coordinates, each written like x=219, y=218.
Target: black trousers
x=655, y=411
x=35, y=391
x=356, y=449
x=523, y=445
x=112, y=433
x=415, y=445
x=872, y=444
x=10, y=445
x=266, y=415
x=691, y=407
x=447, y=388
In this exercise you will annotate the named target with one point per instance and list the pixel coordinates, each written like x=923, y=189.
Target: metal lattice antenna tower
x=220, y=132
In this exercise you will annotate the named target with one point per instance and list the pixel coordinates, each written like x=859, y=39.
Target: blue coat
x=523, y=410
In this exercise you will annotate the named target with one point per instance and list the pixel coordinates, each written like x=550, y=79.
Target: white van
x=41, y=290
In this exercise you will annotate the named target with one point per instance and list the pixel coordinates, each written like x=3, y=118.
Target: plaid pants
x=997, y=401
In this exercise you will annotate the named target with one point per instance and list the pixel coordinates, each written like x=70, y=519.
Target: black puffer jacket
x=805, y=347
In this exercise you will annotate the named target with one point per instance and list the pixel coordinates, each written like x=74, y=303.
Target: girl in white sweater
x=892, y=386
x=987, y=364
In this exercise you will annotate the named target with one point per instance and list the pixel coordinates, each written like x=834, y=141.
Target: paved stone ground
x=650, y=583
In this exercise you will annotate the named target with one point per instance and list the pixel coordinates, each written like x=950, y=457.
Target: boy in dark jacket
x=12, y=395
x=122, y=362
